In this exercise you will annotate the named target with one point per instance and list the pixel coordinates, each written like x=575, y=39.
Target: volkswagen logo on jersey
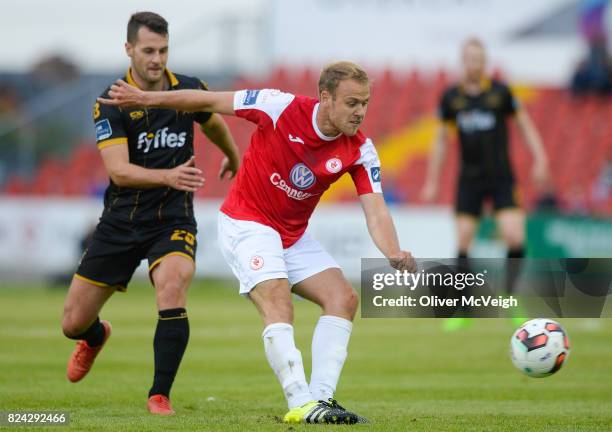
x=333, y=165
x=301, y=176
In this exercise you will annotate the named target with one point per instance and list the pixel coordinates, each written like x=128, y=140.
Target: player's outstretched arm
x=185, y=177
x=540, y=171
x=124, y=95
x=382, y=231
x=217, y=131
x=436, y=160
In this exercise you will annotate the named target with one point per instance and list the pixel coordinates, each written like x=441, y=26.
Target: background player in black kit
x=148, y=210
x=479, y=107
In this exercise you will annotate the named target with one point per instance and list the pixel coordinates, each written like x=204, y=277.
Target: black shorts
x=116, y=249
x=472, y=195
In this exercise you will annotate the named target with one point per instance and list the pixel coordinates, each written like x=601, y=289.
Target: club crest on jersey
x=256, y=262
x=301, y=176
x=333, y=165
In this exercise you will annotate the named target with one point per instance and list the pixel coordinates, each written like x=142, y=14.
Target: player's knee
x=344, y=303
x=173, y=288
x=180, y=278
x=168, y=276
x=351, y=302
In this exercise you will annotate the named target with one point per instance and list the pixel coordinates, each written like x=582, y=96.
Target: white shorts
x=255, y=254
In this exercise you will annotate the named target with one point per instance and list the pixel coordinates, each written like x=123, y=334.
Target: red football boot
x=83, y=356
x=160, y=405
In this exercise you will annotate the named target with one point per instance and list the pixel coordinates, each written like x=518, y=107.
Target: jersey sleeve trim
x=112, y=142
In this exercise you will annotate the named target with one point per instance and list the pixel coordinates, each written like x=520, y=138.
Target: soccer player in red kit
x=300, y=147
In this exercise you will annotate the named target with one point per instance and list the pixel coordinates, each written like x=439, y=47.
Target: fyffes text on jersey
x=161, y=139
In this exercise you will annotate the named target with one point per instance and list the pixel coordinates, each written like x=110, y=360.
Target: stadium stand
x=401, y=120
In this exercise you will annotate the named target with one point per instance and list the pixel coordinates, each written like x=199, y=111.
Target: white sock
x=286, y=362
x=329, y=349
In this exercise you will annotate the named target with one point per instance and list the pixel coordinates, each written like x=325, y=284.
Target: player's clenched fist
x=185, y=177
x=124, y=95
x=403, y=261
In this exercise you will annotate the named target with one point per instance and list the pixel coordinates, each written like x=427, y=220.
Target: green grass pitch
x=403, y=374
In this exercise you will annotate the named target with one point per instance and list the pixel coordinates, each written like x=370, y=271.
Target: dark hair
x=333, y=73
x=151, y=20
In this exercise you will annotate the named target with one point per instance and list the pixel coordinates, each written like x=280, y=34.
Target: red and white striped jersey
x=290, y=163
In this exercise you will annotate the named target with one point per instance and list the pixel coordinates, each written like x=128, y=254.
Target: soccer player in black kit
x=479, y=107
x=148, y=211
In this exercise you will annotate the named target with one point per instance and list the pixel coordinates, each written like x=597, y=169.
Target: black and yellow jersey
x=156, y=138
x=481, y=122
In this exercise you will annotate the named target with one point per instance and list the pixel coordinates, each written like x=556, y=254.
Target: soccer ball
x=539, y=347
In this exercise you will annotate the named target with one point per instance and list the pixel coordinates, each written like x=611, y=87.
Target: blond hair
x=333, y=73
x=473, y=42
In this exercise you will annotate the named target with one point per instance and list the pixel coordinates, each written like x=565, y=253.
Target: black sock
x=463, y=266
x=94, y=335
x=463, y=262
x=516, y=253
x=513, y=267
x=169, y=344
